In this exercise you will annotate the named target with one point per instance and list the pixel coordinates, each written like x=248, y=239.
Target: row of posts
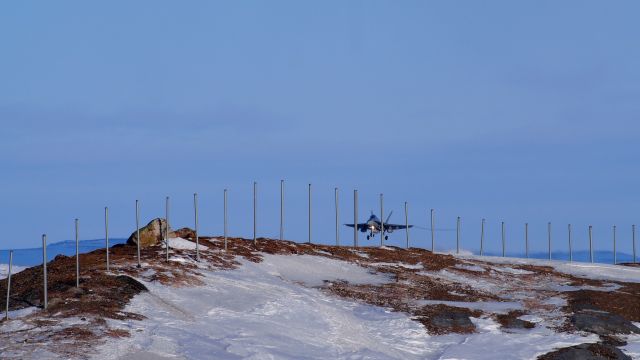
x=337, y=234
x=526, y=237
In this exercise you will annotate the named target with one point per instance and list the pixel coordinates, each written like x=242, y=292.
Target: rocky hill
x=280, y=299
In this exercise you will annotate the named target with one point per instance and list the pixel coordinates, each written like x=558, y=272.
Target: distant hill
x=33, y=256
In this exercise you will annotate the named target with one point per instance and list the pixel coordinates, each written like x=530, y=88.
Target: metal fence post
x=526, y=239
x=77, y=256
x=195, y=214
x=633, y=236
x=549, y=235
x=138, y=231
x=591, y=243
x=166, y=230
x=309, y=238
x=44, y=267
x=255, y=190
x=615, y=254
x=355, y=218
x=381, y=220
x=406, y=221
x=9, y=284
x=433, y=234
x=504, y=241
x=226, y=220
x=106, y=233
x=281, y=209
x=337, y=217
x=482, y=237
x=570, y=244
x=458, y=235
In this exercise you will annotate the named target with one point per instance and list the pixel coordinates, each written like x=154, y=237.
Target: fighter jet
x=374, y=226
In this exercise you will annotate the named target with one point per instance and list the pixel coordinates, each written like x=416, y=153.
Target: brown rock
x=598, y=351
x=152, y=234
x=186, y=233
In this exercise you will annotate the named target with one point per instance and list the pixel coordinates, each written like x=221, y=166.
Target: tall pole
x=482, y=237
x=255, y=190
x=504, y=241
x=570, y=244
x=77, y=256
x=591, y=243
x=406, y=221
x=44, y=268
x=458, y=235
x=549, y=236
x=9, y=285
x=615, y=254
x=381, y=220
x=355, y=218
x=166, y=230
x=106, y=233
x=633, y=236
x=309, y=238
x=433, y=233
x=526, y=239
x=226, y=221
x=337, y=217
x=195, y=214
x=281, y=209
x=138, y=231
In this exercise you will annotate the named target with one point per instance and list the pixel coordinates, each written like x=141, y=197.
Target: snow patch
x=4, y=270
x=406, y=266
x=251, y=313
x=183, y=244
x=555, y=301
x=514, y=345
x=461, y=252
x=316, y=270
x=16, y=314
x=469, y=267
x=510, y=270
x=633, y=344
x=593, y=271
x=360, y=253
x=260, y=311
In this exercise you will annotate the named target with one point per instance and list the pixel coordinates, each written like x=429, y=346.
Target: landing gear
x=368, y=237
x=386, y=237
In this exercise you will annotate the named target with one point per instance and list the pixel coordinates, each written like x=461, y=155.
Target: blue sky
x=512, y=111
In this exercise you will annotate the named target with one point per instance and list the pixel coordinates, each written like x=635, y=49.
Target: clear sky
x=516, y=111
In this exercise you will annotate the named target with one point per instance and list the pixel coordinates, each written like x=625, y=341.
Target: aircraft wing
x=360, y=226
x=396, y=226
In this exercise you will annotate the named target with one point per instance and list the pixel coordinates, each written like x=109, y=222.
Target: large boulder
x=152, y=234
x=598, y=351
x=602, y=323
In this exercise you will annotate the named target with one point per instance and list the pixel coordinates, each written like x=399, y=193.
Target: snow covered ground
x=594, y=271
x=281, y=308
x=633, y=347
x=275, y=310
x=182, y=244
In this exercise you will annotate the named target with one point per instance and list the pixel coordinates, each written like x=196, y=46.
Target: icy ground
x=276, y=310
x=596, y=271
x=180, y=243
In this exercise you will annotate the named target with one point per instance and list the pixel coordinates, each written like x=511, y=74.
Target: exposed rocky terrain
x=444, y=293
